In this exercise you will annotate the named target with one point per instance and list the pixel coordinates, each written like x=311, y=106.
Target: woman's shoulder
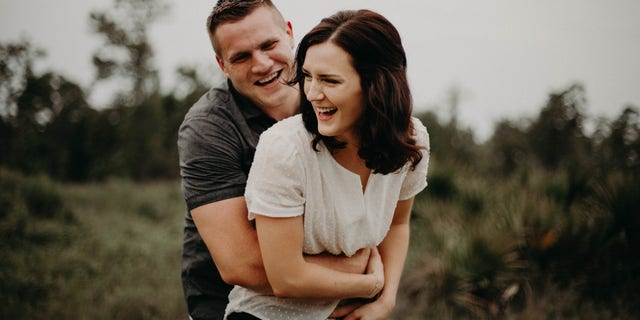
x=287, y=126
x=420, y=132
x=289, y=131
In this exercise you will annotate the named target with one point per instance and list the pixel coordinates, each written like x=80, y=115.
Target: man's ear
x=221, y=65
x=290, y=34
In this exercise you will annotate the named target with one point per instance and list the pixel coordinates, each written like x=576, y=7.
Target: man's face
x=255, y=53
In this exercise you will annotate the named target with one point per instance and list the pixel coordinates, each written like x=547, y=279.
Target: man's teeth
x=273, y=76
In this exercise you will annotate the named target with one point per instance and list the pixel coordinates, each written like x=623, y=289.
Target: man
x=217, y=139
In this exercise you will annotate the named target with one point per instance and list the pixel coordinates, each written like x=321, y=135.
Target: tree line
x=48, y=126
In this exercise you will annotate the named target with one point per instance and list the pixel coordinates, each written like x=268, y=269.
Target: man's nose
x=262, y=63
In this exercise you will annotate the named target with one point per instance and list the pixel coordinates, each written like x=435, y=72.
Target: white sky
x=505, y=56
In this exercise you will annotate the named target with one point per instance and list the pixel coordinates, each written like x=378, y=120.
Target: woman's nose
x=314, y=92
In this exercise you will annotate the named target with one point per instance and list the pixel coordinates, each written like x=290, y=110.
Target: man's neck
x=284, y=110
x=281, y=112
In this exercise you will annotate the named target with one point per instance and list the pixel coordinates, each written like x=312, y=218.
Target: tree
x=556, y=137
x=621, y=148
x=509, y=148
x=127, y=53
x=16, y=65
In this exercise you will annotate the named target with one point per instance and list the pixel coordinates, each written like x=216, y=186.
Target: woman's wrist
x=387, y=299
x=377, y=288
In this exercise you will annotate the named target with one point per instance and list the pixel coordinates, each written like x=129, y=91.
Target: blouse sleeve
x=416, y=180
x=276, y=180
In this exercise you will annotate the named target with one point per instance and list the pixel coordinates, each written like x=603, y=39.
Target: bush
x=553, y=245
x=34, y=224
x=25, y=201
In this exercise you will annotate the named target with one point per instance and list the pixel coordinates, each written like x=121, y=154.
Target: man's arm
x=233, y=244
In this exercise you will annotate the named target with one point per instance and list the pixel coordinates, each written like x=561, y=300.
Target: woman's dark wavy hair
x=385, y=129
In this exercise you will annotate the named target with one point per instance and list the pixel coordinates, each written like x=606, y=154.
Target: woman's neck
x=349, y=159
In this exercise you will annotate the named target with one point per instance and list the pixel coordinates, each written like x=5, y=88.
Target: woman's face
x=332, y=85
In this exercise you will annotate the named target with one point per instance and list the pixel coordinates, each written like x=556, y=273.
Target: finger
x=353, y=316
x=344, y=310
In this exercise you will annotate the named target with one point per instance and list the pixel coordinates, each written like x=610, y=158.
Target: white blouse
x=288, y=178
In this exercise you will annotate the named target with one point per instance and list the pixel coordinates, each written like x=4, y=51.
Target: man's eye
x=269, y=45
x=239, y=58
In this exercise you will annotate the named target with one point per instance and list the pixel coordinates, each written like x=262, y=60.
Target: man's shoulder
x=217, y=101
x=212, y=117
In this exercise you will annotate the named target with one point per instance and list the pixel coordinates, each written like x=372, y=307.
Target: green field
x=110, y=251
x=480, y=248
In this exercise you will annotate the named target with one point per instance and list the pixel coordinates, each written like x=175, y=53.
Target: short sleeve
x=416, y=179
x=210, y=160
x=276, y=179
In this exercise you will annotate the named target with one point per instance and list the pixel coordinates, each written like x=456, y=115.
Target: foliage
x=452, y=142
x=127, y=54
x=47, y=119
x=540, y=221
x=557, y=135
x=619, y=143
x=547, y=212
x=34, y=223
x=16, y=64
x=506, y=257
x=109, y=251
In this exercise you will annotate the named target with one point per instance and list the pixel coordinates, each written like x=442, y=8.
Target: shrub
x=34, y=223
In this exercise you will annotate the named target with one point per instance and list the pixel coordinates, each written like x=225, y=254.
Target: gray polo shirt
x=216, y=143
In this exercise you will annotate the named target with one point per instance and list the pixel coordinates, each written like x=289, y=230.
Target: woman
x=339, y=177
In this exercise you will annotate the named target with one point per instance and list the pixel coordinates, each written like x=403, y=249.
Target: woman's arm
x=290, y=276
x=393, y=250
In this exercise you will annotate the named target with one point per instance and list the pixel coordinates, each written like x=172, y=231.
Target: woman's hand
x=375, y=268
x=379, y=309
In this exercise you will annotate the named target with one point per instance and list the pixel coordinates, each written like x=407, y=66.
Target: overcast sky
x=505, y=56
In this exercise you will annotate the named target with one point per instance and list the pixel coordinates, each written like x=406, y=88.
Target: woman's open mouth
x=326, y=112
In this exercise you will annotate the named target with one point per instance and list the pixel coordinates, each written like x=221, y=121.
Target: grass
x=524, y=247
x=133, y=235
x=118, y=257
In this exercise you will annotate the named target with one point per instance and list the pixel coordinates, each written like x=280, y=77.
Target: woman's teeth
x=327, y=111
